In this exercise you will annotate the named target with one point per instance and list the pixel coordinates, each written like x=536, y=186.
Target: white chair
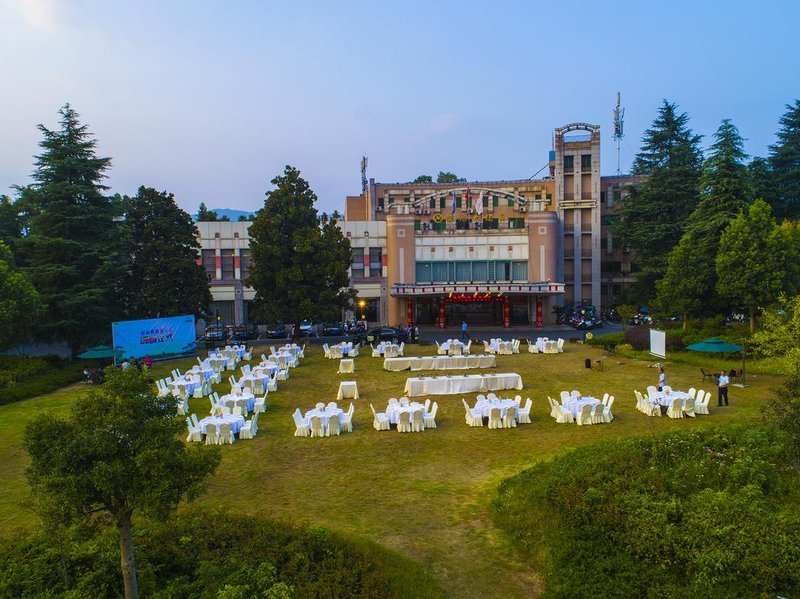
x=430, y=419
x=494, y=418
x=195, y=434
x=675, y=409
x=200, y=387
x=246, y=369
x=260, y=404
x=565, y=396
x=226, y=434
x=701, y=403
x=375, y=352
x=472, y=417
x=585, y=415
x=246, y=432
x=560, y=346
x=282, y=375
x=379, y=422
x=272, y=383
x=317, y=430
x=401, y=350
x=651, y=390
x=605, y=398
x=331, y=404
x=597, y=413
x=427, y=405
x=347, y=420
x=532, y=347
x=525, y=412
x=688, y=407
x=555, y=410
x=510, y=419
x=404, y=401
x=393, y=401
x=417, y=421
x=575, y=393
x=333, y=426
x=491, y=396
x=480, y=397
x=404, y=422
x=212, y=438
x=666, y=389
x=327, y=350
x=692, y=392
x=608, y=415
x=301, y=430
x=439, y=349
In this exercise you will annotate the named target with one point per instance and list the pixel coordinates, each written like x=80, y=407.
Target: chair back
x=225, y=432
x=316, y=424
x=333, y=424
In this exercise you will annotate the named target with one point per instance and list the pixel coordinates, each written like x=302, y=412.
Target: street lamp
x=362, y=304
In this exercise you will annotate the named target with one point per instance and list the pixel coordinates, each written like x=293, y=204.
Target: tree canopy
x=72, y=249
x=784, y=161
x=423, y=179
x=299, y=265
x=163, y=278
x=206, y=215
x=10, y=224
x=448, y=177
x=653, y=215
x=118, y=452
x=20, y=305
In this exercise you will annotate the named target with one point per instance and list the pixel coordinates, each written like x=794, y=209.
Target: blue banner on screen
x=159, y=338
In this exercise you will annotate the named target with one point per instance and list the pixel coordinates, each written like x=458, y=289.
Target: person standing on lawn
x=723, y=382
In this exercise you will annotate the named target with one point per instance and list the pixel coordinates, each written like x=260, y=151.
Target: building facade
x=491, y=253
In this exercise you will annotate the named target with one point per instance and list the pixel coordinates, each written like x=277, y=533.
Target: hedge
x=22, y=378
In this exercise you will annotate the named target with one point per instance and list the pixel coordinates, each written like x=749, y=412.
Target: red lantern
x=539, y=323
x=506, y=313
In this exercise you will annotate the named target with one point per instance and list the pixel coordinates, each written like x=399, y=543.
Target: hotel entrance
x=482, y=309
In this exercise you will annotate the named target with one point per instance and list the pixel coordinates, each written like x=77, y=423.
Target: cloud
x=41, y=15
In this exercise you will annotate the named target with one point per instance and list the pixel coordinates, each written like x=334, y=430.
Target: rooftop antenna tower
x=364, y=186
x=619, y=117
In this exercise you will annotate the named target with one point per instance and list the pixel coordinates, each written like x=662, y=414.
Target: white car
x=305, y=327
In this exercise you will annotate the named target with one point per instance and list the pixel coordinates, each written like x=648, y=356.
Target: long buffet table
x=454, y=385
x=439, y=363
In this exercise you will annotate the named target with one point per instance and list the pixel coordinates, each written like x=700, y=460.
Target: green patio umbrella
x=98, y=352
x=714, y=345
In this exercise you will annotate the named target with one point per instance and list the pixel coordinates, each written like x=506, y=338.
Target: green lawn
x=425, y=495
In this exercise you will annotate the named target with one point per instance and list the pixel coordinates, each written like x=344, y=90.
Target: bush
x=210, y=554
x=22, y=377
x=611, y=339
x=701, y=513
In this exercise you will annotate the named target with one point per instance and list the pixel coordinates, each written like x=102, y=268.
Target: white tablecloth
x=393, y=411
x=268, y=368
x=454, y=385
x=484, y=406
x=206, y=371
x=575, y=404
x=540, y=343
x=347, y=365
x=445, y=345
x=665, y=399
x=381, y=347
x=496, y=346
x=324, y=415
x=258, y=381
x=230, y=400
x=347, y=389
x=182, y=386
x=440, y=363
x=236, y=422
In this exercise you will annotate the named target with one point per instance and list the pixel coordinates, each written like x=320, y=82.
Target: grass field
x=425, y=495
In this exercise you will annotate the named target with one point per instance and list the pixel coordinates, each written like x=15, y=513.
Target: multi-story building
x=493, y=252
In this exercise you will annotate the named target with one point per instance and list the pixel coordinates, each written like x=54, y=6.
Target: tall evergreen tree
x=653, y=216
x=206, y=215
x=71, y=251
x=299, y=266
x=751, y=260
x=19, y=302
x=10, y=224
x=164, y=278
x=689, y=282
x=784, y=160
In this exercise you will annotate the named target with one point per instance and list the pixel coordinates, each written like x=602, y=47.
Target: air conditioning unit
x=378, y=208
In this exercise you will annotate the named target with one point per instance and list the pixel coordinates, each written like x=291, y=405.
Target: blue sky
x=210, y=100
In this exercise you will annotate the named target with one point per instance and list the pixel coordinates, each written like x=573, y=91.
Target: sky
x=210, y=100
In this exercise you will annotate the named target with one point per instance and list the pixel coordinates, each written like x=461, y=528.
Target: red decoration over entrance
x=539, y=324
x=409, y=311
x=506, y=313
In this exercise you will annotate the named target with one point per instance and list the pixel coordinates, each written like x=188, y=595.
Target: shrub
x=611, y=339
x=210, y=554
x=701, y=513
x=22, y=377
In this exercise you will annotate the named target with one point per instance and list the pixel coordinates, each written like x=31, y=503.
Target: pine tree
x=299, y=266
x=784, y=160
x=72, y=249
x=653, y=216
x=164, y=278
x=19, y=302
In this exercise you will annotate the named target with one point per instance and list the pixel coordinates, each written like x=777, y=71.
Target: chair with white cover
x=212, y=438
x=237, y=411
x=585, y=415
x=480, y=397
x=555, y=408
x=302, y=352
x=347, y=420
x=692, y=392
x=317, y=430
x=688, y=407
x=379, y=420
x=455, y=350
x=331, y=404
x=560, y=346
x=468, y=346
x=651, y=390
x=575, y=393
x=605, y=398
x=255, y=424
x=675, y=409
x=333, y=427
x=195, y=434
x=390, y=351
x=199, y=386
x=439, y=349
x=401, y=350
x=393, y=401
x=472, y=417
x=510, y=419
x=532, y=347
x=327, y=350
x=491, y=396
x=272, y=383
x=565, y=396
x=301, y=430
x=282, y=375
x=404, y=401
x=515, y=346
x=666, y=389
x=525, y=412
x=417, y=421
x=430, y=417
x=225, y=411
x=597, y=413
x=494, y=418
x=404, y=422
x=639, y=400
x=246, y=369
x=375, y=352
x=701, y=403
x=246, y=432
x=226, y=434
x=260, y=404
x=608, y=415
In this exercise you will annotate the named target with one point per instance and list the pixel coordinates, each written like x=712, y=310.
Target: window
x=442, y=202
x=432, y=203
x=439, y=272
x=423, y=272
x=586, y=162
x=458, y=201
x=244, y=263
x=210, y=263
x=495, y=201
x=480, y=271
x=380, y=203
x=502, y=270
x=617, y=195
x=463, y=271
x=375, y=262
x=227, y=265
x=357, y=267
x=511, y=201
x=516, y=223
x=485, y=201
x=519, y=270
x=603, y=243
x=602, y=197
x=609, y=219
x=491, y=223
x=569, y=163
x=417, y=225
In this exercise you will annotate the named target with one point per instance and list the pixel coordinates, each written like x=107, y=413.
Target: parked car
x=333, y=328
x=306, y=327
x=276, y=331
x=386, y=334
x=215, y=335
x=245, y=331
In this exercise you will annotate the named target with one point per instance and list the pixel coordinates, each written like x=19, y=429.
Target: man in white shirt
x=723, y=388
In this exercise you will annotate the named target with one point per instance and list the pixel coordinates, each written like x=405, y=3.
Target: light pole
x=362, y=304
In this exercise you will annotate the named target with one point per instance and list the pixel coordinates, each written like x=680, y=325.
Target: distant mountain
x=230, y=213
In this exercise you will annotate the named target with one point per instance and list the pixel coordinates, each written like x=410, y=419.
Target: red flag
x=466, y=199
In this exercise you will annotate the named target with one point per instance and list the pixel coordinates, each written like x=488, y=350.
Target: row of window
x=467, y=223
x=375, y=263
x=495, y=200
x=209, y=258
x=586, y=162
x=466, y=271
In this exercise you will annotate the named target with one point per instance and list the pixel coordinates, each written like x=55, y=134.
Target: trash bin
x=588, y=363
